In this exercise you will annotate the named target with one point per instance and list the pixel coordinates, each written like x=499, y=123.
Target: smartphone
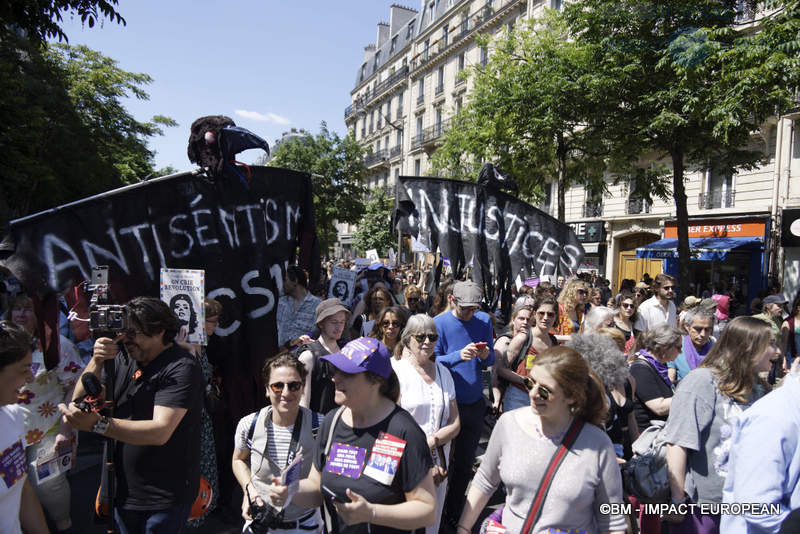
x=331, y=496
x=481, y=344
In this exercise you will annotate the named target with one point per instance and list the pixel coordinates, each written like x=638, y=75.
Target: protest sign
x=183, y=290
x=242, y=234
x=342, y=284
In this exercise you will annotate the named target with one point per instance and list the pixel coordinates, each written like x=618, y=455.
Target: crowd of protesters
x=379, y=395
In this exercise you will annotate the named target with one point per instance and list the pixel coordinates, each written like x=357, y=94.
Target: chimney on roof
x=383, y=34
x=399, y=17
x=369, y=51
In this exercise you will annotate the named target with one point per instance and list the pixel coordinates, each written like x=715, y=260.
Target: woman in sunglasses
x=523, y=349
x=372, y=465
x=414, y=301
x=390, y=322
x=562, y=389
x=571, y=304
x=269, y=440
x=623, y=321
x=428, y=393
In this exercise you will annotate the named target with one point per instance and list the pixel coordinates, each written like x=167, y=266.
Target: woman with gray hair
x=654, y=349
x=597, y=317
x=428, y=393
x=608, y=362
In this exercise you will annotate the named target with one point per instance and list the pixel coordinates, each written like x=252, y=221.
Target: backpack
x=645, y=475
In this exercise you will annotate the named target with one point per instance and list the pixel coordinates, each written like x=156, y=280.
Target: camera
x=108, y=318
x=264, y=517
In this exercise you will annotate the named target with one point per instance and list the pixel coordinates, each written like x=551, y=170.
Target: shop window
x=719, y=190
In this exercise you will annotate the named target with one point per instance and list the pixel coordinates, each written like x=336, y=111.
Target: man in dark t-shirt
x=158, y=391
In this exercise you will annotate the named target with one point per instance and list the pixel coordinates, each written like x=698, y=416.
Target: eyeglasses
x=431, y=337
x=541, y=314
x=390, y=323
x=627, y=306
x=530, y=383
x=413, y=299
x=277, y=387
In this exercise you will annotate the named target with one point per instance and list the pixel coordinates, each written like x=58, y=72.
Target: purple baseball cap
x=362, y=354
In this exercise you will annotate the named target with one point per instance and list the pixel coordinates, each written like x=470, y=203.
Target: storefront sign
x=589, y=231
x=748, y=227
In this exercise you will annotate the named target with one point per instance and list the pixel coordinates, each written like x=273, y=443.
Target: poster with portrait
x=183, y=290
x=342, y=284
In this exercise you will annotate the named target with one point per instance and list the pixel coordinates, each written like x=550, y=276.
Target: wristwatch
x=101, y=426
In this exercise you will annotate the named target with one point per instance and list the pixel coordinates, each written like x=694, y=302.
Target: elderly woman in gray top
x=562, y=387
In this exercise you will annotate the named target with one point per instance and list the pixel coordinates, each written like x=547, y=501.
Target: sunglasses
x=390, y=323
x=545, y=314
x=431, y=337
x=627, y=306
x=277, y=387
x=413, y=299
x=530, y=383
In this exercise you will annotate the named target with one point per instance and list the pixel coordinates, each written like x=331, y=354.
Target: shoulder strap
x=335, y=420
x=555, y=462
x=294, y=444
x=523, y=351
x=253, y=427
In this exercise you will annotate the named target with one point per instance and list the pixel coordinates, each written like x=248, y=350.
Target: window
x=400, y=104
x=636, y=201
x=427, y=49
x=461, y=61
x=555, y=4
x=363, y=72
x=421, y=92
x=484, y=55
x=396, y=174
x=593, y=206
x=377, y=59
x=386, y=142
x=440, y=81
x=443, y=41
x=389, y=109
x=419, y=126
x=378, y=146
x=410, y=31
x=399, y=139
x=459, y=104
x=417, y=167
x=431, y=11
x=393, y=46
x=510, y=27
x=438, y=124
x=719, y=190
x=464, y=23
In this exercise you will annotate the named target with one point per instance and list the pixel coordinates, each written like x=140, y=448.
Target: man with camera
x=158, y=390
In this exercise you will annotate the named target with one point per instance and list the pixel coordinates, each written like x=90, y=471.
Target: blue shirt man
x=465, y=347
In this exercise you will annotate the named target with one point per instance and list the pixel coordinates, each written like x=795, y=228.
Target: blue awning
x=702, y=248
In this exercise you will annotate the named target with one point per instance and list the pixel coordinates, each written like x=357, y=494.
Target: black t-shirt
x=357, y=443
x=649, y=386
x=153, y=477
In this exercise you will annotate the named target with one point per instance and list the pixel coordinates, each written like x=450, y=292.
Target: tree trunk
x=682, y=214
x=561, y=156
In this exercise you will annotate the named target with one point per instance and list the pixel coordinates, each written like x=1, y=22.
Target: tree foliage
x=338, y=168
x=41, y=19
x=687, y=83
x=374, y=230
x=65, y=134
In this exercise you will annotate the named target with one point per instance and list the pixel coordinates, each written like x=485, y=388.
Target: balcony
x=429, y=134
x=635, y=206
x=369, y=96
x=716, y=199
x=592, y=210
x=395, y=151
x=376, y=158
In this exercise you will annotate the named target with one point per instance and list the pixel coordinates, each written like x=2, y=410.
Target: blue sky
x=270, y=65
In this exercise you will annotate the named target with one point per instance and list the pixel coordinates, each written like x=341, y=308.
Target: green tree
x=41, y=19
x=65, y=134
x=374, y=230
x=685, y=82
x=337, y=168
x=531, y=112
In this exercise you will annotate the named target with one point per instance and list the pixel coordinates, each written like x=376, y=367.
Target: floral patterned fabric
x=565, y=326
x=39, y=399
x=208, y=455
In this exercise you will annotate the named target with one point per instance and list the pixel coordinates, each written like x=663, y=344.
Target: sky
x=270, y=65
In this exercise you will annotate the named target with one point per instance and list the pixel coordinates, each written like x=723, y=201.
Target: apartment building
x=409, y=85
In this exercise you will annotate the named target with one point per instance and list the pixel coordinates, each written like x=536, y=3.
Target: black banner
x=242, y=235
x=503, y=236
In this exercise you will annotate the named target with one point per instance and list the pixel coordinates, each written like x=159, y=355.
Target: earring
x=572, y=409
